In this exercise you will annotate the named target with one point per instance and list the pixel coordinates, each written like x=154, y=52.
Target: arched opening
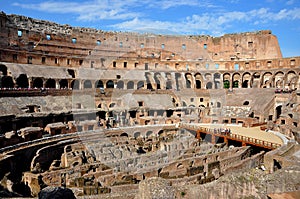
x=209, y=85
x=7, y=82
x=140, y=85
x=157, y=80
x=37, y=83
x=245, y=84
x=112, y=105
x=246, y=103
x=3, y=69
x=188, y=80
x=63, y=83
x=130, y=85
x=50, y=83
x=278, y=111
x=120, y=84
x=75, y=84
x=110, y=84
x=136, y=134
x=198, y=84
x=218, y=104
x=87, y=84
x=148, y=133
x=149, y=86
x=235, y=84
x=22, y=81
x=99, y=84
x=226, y=84
x=124, y=135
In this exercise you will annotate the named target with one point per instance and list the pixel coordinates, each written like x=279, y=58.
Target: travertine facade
x=75, y=84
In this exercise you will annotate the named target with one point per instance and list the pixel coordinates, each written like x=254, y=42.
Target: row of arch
x=164, y=80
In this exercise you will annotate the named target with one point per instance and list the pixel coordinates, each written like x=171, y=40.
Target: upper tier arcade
x=32, y=41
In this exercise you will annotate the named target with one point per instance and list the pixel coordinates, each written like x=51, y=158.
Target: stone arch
x=157, y=80
x=236, y=78
x=198, y=80
x=256, y=80
x=130, y=85
x=37, y=83
x=217, y=80
x=140, y=85
x=150, y=81
x=99, y=84
x=63, y=83
x=267, y=80
x=136, y=134
x=189, y=80
x=22, y=81
x=226, y=80
x=209, y=85
x=246, y=80
x=291, y=80
x=149, y=133
x=50, y=83
x=112, y=105
x=120, y=84
x=278, y=80
x=169, y=84
x=3, y=69
x=75, y=84
x=110, y=84
x=87, y=84
x=7, y=82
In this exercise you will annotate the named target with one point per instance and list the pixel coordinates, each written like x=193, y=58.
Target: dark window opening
x=146, y=66
x=277, y=165
x=198, y=84
x=15, y=57
x=246, y=103
x=56, y=61
x=71, y=72
x=29, y=60
x=135, y=65
x=43, y=60
x=68, y=61
x=118, y=76
x=80, y=62
x=114, y=64
x=250, y=44
x=141, y=103
x=132, y=114
x=92, y=64
x=201, y=99
x=125, y=64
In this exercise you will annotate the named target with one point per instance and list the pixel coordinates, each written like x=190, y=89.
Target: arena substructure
x=129, y=115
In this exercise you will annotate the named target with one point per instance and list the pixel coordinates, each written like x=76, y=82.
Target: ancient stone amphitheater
x=128, y=115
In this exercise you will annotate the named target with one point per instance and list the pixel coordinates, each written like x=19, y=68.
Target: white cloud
x=290, y=2
x=209, y=23
x=135, y=15
x=93, y=10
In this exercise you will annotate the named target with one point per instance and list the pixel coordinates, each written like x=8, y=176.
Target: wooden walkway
x=215, y=135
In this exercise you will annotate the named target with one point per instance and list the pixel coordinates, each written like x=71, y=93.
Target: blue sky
x=191, y=17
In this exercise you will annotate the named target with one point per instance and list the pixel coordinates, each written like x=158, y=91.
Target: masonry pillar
x=213, y=139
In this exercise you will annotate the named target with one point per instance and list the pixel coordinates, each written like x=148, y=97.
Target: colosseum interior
x=128, y=115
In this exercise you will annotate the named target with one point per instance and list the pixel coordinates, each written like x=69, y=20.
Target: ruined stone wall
x=27, y=40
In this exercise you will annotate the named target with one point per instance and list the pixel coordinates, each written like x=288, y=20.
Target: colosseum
x=129, y=115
